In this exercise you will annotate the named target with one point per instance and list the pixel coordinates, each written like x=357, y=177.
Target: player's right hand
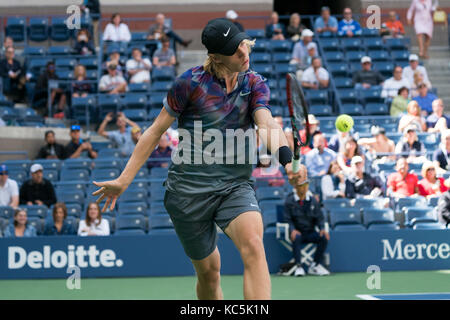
x=298, y=177
x=110, y=190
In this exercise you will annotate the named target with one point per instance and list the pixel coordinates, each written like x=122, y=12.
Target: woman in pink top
x=265, y=170
x=423, y=23
x=430, y=185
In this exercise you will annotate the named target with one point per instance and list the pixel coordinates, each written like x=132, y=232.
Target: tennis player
x=222, y=94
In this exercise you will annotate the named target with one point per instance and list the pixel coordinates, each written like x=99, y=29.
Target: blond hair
x=217, y=68
x=80, y=70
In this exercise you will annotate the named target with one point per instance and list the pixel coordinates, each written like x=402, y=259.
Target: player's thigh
x=208, y=267
x=246, y=230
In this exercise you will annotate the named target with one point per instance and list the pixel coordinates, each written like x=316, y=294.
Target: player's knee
x=209, y=276
x=252, y=249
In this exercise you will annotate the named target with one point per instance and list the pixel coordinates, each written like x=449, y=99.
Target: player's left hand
x=296, y=178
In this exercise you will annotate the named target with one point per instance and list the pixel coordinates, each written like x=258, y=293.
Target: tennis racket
x=298, y=111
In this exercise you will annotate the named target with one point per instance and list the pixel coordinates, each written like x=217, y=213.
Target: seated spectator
x=380, y=143
x=80, y=88
x=300, y=52
x=138, y=68
x=84, y=45
x=425, y=99
x=302, y=213
x=431, y=186
x=51, y=150
x=311, y=48
x=160, y=28
x=20, y=227
x=9, y=191
x=400, y=102
x=402, y=183
x=116, y=30
x=326, y=25
x=136, y=133
x=93, y=225
x=393, y=84
x=408, y=71
x=367, y=78
x=114, y=58
x=93, y=7
x=393, y=28
x=438, y=121
x=76, y=148
x=443, y=208
x=112, y=83
x=122, y=136
x=333, y=183
x=275, y=30
x=344, y=158
x=412, y=117
x=41, y=91
x=232, y=16
x=163, y=151
x=314, y=125
x=266, y=169
x=348, y=27
x=318, y=159
x=59, y=225
x=37, y=190
x=410, y=147
x=360, y=184
x=11, y=73
x=442, y=154
x=337, y=141
x=295, y=27
x=164, y=57
x=315, y=77
x=418, y=79
x=7, y=42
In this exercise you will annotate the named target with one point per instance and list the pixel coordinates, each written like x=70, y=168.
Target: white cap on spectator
x=356, y=159
x=311, y=45
x=36, y=167
x=307, y=33
x=366, y=59
x=413, y=57
x=409, y=128
x=231, y=14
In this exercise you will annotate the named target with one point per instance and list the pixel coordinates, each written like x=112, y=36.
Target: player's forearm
x=272, y=136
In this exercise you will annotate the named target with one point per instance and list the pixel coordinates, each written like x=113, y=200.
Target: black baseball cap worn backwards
x=222, y=36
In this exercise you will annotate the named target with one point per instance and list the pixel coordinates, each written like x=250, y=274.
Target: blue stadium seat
x=385, y=68
x=316, y=96
x=348, y=95
x=134, y=195
x=373, y=44
x=134, y=207
x=380, y=55
x=158, y=172
x=352, y=109
x=109, y=153
x=351, y=44
x=135, y=221
x=142, y=173
x=59, y=30
x=39, y=211
x=338, y=69
x=280, y=46
x=158, y=208
x=58, y=50
x=263, y=69
x=334, y=56
x=6, y=212
x=284, y=57
x=83, y=108
x=67, y=186
x=330, y=44
x=429, y=226
x=50, y=164
x=71, y=197
x=139, y=36
x=377, y=109
x=415, y=215
x=370, y=33
x=18, y=164
x=65, y=62
x=349, y=227
x=269, y=193
x=433, y=201
x=256, y=33
x=355, y=56
x=156, y=100
x=355, y=66
x=260, y=57
x=19, y=175
x=337, y=203
x=261, y=46
x=343, y=82
x=378, y=216
x=362, y=128
x=89, y=62
x=33, y=51
x=400, y=55
x=410, y=202
x=74, y=174
x=371, y=95
x=104, y=174
x=396, y=44
x=383, y=226
x=15, y=28
x=344, y=216
x=161, y=221
x=37, y=223
x=74, y=210
x=77, y=163
x=99, y=145
x=270, y=219
x=107, y=103
x=320, y=109
x=163, y=74
x=38, y=29
x=161, y=86
x=282, y=68
x=136, y=114
x=108, y=163
x=129, y=232
x=51, y=175
x=157, y=194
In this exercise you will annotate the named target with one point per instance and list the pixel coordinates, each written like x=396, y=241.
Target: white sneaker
x=318, y=270
x=299, y=272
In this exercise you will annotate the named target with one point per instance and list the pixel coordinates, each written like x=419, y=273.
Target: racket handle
x=295, y=165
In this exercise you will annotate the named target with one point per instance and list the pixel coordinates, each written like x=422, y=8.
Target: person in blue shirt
x=348, y=27
x=425, y=98
x=59, y=225
x=318, y=159
x=326, y=25
x=20, y=228
x=275, y=30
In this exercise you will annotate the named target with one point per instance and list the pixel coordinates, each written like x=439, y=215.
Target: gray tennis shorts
x=195, y=216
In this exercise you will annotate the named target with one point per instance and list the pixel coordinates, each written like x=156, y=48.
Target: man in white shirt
x=391, y=85
x=300, y=53
x=9, y=191
x=116, y=30
x=408, y=72
x=315, y=76
x=138, y=68
x=112, y=83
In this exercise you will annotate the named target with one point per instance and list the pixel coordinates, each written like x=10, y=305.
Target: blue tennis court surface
x=407, y=296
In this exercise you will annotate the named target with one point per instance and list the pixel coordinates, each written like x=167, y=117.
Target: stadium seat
x=65, y=62
x=156, y=100
x=337, y=203
x=162, y=221
x=89, y=62
x=377, y=109
x=157, y=194
x=263, y=69
x=415, y=215
x=351, y=44
x=347, y=96
x=396, y=44
x=33, y=51
x=108, y=163
x=134, y=207
x=158, y=172
x=370, y=33
x=163, y=74
x=320, y=109
x=19, y=175
x=385, y=68
x=70, y=197
x=256, y=33
x=343, y=82
x=39, y=211
x=161, y=86
x=77, y=163
x=107, y=103
x=428, y=226
x=410, y=202
x=400, y=55
x=349, y=227
x=135, y=195
x=377, y=216
x=136, y=114
x=261, y=46
x=260, y=57
x=330, y=45
x=283, y=57
x=269, y=193
x=280, y=46
x=433, y=201
x=109, y=153
x=38, y=29
x=373, y=44
x=74, y=210
x=158, y=208
x=51, y=175
x=67, y=186
x=58, y=50
x=380, y=55
x=338, y=69
x=17, y=164
x=74, y=174
x=37, y=223
x=269, y=219
x=99, y=145
x=316, y=96
x=383, y=226
x=6, y=212
x=371, y=96
x=15, y=28
x=129, y=232
x=334, y=56
x=104, y=174
x=59, y=30
x=347, y=215
x=135, y=221
x=355, y=56
x=351, y=109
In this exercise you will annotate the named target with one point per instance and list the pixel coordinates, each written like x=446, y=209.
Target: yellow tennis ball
x=344, y=123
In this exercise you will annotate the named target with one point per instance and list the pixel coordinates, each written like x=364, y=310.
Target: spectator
x=20, y=227
x=11, y=73
x=112, y=83
x=162, y=152
x=138, y=68
x=302, y=213
x=312, y=52
x=344, y=158
x=164, y=57
x=122, y=136
x=7, y=42
x=333, y=183
x=9, y=191
x=59, y=225
x=315, y=77
x=37, y=190
x=265, y=169
x=393, y=84
x=442, y=154
x=360, y=184
x=161, y=28
x=402, y=183
x=393, y=27
x=80, y=87
x=425, y=99
x=337, y=141
x=423, y=23
x=400, y=102
x=348, y=27
x=84, y=46
x=300, y=52
x=41, y=90
x=438, y=121
x=443, y=208
x=318, y=159
x=76, y=148
x=275, y=30
x=136, y=133
x=116, y=30
x=94, y=224
x=418, y=79
x=380, y=143
x=367, y=78
x=114, y=58
x=409, y=146
x=326, y=25
x=295, y=27
x=431, y=186
x=51, y=150
x=92, y=7
x=313, y=130
x=413, y=117
x=232, y=16
x=408, y=71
